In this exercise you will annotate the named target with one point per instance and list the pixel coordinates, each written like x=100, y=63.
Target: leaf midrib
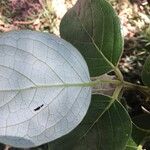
x=93, y=42
x=80, y=84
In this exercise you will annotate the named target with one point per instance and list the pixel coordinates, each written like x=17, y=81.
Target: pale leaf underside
x=41, y=92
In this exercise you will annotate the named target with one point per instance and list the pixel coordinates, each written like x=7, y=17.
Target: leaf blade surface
x=43, y=92
x=94, y=29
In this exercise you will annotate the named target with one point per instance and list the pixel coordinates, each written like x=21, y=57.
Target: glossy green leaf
x=110, y=132
x=146, y=72
x=94, y=29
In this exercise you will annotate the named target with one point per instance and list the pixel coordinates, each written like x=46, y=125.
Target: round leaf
x=110, y=132
x=43, y=93
x=93, y=28
x=99, y=104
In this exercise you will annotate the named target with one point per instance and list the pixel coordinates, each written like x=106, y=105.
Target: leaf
x=113, y=129
x=98, y=106
x=44, y=88
x=142, y=121
x=146, y=72
x=111, y=132
x=141, y=127
x=131, y=145
x=93, y=28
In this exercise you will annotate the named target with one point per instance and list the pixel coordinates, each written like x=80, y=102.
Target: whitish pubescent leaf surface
x=93, y=27
x=42, y=96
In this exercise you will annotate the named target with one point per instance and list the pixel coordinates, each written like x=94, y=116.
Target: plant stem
x=115, y=82
x=118, y=73
x=134, y=86
x=124, y=84
x=143, y=89
x=117, y=92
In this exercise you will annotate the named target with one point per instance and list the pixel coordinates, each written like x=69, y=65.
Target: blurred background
x=45, y=15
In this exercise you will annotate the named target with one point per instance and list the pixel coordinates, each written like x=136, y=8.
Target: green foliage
x=141, y=128
x=94, y=29
x=99, y=105
x=101, y=128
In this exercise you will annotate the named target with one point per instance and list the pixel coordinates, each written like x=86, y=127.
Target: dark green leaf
x=141, y=128
x=142, y=121
x=93, y=28
x=98, y=105
x=111, y=132
x=146, y=72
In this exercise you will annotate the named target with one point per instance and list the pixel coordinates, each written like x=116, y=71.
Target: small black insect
x=38, y=108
